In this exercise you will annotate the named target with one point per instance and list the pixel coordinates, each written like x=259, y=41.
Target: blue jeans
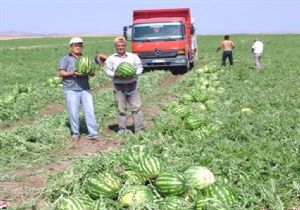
x=74, y=99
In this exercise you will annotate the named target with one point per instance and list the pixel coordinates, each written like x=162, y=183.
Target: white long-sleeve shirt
x=258, y=47
x=113, y=62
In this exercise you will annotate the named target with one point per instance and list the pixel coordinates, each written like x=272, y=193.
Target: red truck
x=164, y=38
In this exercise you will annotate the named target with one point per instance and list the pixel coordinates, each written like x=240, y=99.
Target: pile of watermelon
x=144, y=182
x=192, y=113
x=85, y=65
x=125, y=70
x=17, y=91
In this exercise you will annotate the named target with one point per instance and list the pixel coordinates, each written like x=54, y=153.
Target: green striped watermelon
x=198, y=177
x=104, y=204
x=193, y=122
x=218, y=194
x=133, y=177
x=133, y=155
x=126, y=70
x=174, y=203
x=182, y=111
x=200, y=97
x=150, y=167
x=186, y=98
x=86, y=199
x=208, y=204
x=170, y=183
x=85, y=65
x=136, y=196
x=103, y=184
x=71, y=203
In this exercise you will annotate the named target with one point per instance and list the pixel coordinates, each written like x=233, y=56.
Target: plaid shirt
x=67, y=63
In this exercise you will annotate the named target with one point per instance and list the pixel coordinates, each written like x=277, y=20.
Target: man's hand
x=92, y=73
x=100, y=59
x=117, y=75
x=76, y=74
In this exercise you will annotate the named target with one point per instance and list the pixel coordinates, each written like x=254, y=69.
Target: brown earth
x=28, y=183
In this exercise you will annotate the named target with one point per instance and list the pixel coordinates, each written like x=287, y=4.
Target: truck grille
x=160, y=54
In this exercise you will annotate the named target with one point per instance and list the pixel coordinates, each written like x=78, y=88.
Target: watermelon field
x=215, y=137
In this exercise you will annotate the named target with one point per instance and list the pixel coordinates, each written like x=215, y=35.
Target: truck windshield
x=157, y=31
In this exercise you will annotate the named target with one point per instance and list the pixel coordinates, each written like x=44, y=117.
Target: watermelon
x=200, y=97
x=182, y=111
x=133, y=177
x=150, y=167
x=170, y=183
x=133, y=155
x=200, y=133
x=202, y=107
x=186, y=98
x=10, y=99
x=136, y=196
x=85, y=199
x=103, y=184
x=193, y=122
x=104, y=204
x=218, y=194
x=208, y=204
x=85, y=65
x=174, y=203
x=126, y=70
x=71, y=203
x=198, y=177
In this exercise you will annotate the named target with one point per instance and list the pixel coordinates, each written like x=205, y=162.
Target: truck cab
x=164, y=38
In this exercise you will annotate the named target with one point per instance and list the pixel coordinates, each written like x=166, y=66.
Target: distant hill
x=20, y=35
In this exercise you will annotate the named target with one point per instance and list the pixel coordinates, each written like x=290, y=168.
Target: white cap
x=75, y=40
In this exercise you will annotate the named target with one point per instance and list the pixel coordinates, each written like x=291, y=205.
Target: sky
x=109, y=16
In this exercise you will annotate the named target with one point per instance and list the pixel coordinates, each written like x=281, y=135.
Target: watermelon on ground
x=170, y=183
x=218, y=194
x=136, y=196
x=199, y=177
x=103, y=185
x=71, y=203
x=174, y=203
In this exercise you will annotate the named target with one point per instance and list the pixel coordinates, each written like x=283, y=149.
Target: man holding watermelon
x=77, y=90
x=123, y=67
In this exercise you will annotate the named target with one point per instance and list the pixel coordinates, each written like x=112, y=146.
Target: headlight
x=181, y=52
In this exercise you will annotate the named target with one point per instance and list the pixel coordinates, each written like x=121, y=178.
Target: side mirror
x=192, y=29
x=125, y=29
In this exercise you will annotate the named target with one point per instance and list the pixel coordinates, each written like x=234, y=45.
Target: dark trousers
x=227, y=54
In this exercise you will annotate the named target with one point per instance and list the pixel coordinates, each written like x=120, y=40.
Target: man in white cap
x=77, y=91
x=125, y=89
x=257, y=50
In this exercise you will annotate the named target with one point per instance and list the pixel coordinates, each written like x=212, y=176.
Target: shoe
x=75, y=138
x=97, y=138
x=3, y=205
x=120, y=131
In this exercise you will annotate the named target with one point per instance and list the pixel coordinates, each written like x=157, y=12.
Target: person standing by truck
x=257, y=50
x=125, y=89
x=227, y=45
x=77, y=91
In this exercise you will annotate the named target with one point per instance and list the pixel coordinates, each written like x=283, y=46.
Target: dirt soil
x=28, y=183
